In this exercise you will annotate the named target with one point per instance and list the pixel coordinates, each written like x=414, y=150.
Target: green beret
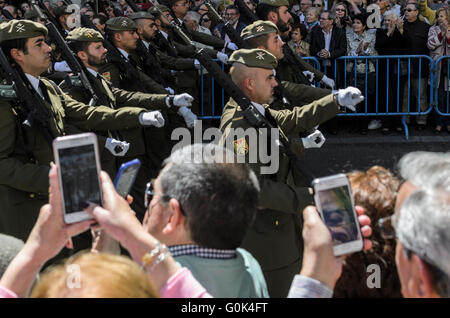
x=31, y=14
x=141, y=15
x=21, y=29
x=62, y=10
x=84, y=35
x=121, y=24
x=275, y=3
x=155, y=12
x=258, y=28
x=254, y=58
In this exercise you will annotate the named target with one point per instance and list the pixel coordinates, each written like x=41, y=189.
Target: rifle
x=42, y=11
x=133, y=5
x=7, y=14
x=27, y=103
x=244, y=10
x=250, y=112
x=234, y=36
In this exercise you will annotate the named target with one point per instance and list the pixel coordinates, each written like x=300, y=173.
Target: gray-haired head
x=193, y=15
x=426, y=170
x=9, y=247
x=218, y=196
x=423, y=227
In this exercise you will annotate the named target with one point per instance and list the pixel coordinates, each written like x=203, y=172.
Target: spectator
x=361, y=42
x=388, y=42
x=251, y=4
x=329, y=43
x=311, y=20
x=356, y=7
x=297, y=42
x=439, y=45
x=25, y=7
x=394, y=7
x=425, y=11
x=304, y=5
x=319, y=5
x=205, y=21
x=202, y=211
x=414, y=41
x=203, y=10
x=100, y=22
x=342, y=20
x=232, y=17
x=384, y=8
x=375, y=190
x=50, y=234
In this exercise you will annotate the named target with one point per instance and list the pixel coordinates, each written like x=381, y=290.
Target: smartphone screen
x=338, y=214
x=79, y=177
x=126, y=179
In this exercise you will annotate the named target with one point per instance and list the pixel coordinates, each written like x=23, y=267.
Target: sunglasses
x=409, y=10
x=317, y=5
x=150, y=193
x=206, y=20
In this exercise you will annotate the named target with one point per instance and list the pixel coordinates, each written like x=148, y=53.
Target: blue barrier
x=442, y=102
x=392, y=84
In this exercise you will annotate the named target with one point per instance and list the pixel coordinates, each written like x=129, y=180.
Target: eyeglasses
x=230, y=14
x=386, y=227
x=149, y=193
x=206, y=20
x=317, y=5
x=409, y=10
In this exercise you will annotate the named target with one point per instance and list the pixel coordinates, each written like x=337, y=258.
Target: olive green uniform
x=23, y=184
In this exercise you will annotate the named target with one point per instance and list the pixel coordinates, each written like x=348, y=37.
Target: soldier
x=275, y=237
x=264, y=35
x=276, y=11
x=25, y=153
x=87, y=45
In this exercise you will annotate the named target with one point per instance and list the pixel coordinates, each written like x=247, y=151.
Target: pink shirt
x=183, y=285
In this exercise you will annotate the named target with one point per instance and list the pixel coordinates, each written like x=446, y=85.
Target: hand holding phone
x=334, y=202
x=126, y=176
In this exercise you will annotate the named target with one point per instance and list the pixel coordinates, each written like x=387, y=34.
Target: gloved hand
x=153, y=118
x=62, y=67
x=222, y=57
x=188, y=115
x=197, y=64
x=170, y=90
x=349, y=97
x=232, y=46
x=309, y=75
x=314, y=140
x=179, y=100
x=116, y=147
x=328, y=81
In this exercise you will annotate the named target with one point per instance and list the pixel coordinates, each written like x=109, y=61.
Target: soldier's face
x=263, y=84
x=96, y=54
x=275, y=45
x=37, y=60
x=129, y=40
x=149, y=29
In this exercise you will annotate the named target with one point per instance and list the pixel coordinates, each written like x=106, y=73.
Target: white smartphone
x=333, y=198
x=78, y=164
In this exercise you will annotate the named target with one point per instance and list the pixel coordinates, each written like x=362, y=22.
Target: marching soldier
x=25, y=153
x=275, y=237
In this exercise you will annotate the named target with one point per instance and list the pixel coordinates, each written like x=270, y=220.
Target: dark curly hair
x=376, y=191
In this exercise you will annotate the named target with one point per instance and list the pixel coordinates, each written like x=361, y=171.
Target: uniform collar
x=92, y=72
x=34, y=82
x=147, y=45
x=260, y=108
x=164, y=34
x=125, y=54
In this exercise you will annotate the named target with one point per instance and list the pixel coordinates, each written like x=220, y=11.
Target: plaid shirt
x=203, y=252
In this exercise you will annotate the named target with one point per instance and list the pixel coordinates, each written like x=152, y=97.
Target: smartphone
x=78, y=164
x=126, y=176
x=333, y=198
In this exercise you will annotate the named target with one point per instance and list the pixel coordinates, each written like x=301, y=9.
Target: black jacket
x=338, y=43
x=414, y=42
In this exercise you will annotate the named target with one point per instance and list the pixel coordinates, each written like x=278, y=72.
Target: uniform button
x=32, y=195
x=276, y=222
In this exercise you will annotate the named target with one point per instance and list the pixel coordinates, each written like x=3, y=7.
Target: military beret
x=254, y=58
x=121, y=24
x=62, y=10
x=21, y=29
x=141, y=15
x=275, y=3
x=258, y=28
x=31, y=14
x=84, y=35
x=161, y=7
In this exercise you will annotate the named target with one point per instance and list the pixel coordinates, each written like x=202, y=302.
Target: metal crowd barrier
x=389, y=82
x=442, y=90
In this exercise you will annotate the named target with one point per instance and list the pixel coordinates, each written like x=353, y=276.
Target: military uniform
x=275, y=238
x=23, y=183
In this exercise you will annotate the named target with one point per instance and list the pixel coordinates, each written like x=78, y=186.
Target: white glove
x=116, y=147
x=232, y=46
x=222, y=57
x=309, y=75
x=314, y=140
x=154, y=118
x=349, y=97
x=197, y=64
x=328, y=81
x=62, y=67
x=170, y=90
x=188, y=115
x=179, y=100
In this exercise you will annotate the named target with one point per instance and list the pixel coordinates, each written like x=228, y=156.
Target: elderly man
x=274, y=239
x=421, y=223
x=201, y=207
x=232, y=17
